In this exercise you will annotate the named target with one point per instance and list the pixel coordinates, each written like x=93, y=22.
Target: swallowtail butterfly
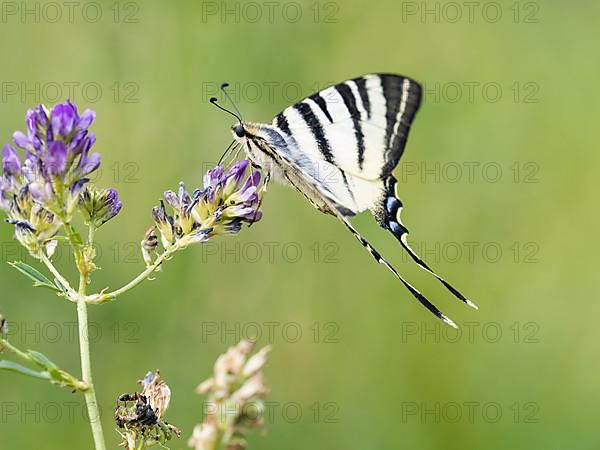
x=339, y=147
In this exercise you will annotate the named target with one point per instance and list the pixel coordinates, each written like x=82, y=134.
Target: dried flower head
x=227, y=201
x=141, y=414
x=237, y=386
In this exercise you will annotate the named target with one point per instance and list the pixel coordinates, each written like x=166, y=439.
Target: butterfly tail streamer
x=332, y=209
x=388, y=217
x=381, y=260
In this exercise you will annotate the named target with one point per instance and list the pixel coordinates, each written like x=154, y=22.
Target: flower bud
x=99, y=205
x=164, y=224
x=149, y=245
x=11, y=165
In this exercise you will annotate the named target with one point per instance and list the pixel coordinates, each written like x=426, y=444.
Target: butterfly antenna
x=235, y=114
x=214, y=101
x=224, y=87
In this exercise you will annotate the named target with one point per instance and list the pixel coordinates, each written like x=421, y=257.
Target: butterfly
x=339, y=147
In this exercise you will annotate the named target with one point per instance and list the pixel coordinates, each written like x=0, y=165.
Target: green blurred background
x=381, y=372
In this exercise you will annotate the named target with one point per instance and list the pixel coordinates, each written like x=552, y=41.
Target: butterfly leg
x=388, y=217
x=263, y=190
x=266, y=181
x=226, y=153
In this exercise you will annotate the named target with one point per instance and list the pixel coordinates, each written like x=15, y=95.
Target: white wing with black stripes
x=360, y=126
x=339, y=147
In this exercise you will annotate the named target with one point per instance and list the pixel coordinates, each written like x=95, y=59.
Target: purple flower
x=22, y=141
x=38, y=130
x=11, y=165
x=245, y=212
x=41, y=191
x=88, y=163
x=237, y=171
x=36, y=119
x=113, y=203
x=86, y=119
x=64, y=119
x=56, y=161
x=6, y=195
x=212, y=179
x=76, y=145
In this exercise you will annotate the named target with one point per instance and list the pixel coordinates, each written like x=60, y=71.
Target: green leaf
x=18, y=368
x=60, y=286
x=39, y=279
x=57, y=375
x=42, y=360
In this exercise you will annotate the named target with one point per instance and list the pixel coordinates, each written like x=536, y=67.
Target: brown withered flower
x=234, y=405
x=141, y=415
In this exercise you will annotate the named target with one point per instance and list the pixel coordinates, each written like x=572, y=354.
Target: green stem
x=84, y=342
x=102, y=298
x=4, y=344
x=71, y=293
x=91, y=231
x=86, y=373
x=86, y=363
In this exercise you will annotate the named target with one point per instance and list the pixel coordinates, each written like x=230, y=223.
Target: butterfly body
x=338, y=147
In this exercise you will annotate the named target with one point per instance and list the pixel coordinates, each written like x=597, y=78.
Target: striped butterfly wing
x=343, y=143
x=360, y=126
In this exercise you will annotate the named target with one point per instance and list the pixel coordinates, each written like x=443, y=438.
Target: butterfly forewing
x=360, y=125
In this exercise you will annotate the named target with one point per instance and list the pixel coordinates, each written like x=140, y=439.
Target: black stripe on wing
x=388, y=217
x=282, y=123
x=348, y=97
x=361, y=84
x=389, y=102
x=402, y=98
x=320, y=101
x=316, y=129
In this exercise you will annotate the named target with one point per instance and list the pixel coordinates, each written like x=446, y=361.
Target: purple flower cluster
x=43, y=190
x=57, y=147
x=228, y=200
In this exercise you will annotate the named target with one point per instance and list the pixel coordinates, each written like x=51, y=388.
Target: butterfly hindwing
x=387, y=214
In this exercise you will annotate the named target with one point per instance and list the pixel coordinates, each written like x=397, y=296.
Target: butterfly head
x=239, y=130
x=249, y=133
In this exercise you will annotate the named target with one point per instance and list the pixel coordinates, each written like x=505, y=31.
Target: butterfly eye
x=239, y=130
